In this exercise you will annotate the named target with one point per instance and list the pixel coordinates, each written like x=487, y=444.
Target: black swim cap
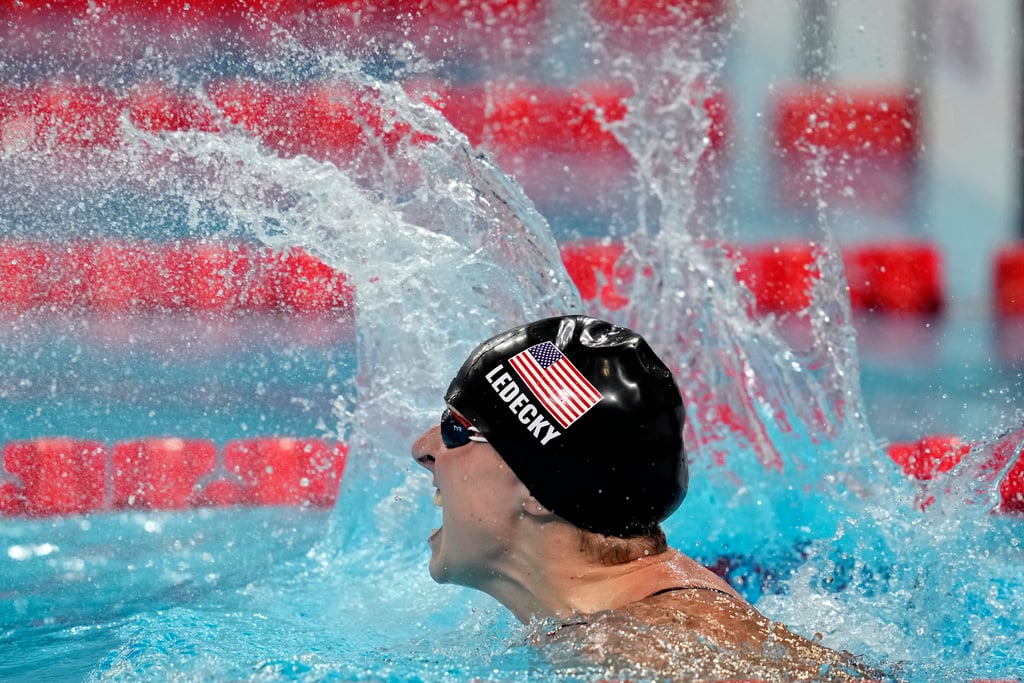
x=586, y=415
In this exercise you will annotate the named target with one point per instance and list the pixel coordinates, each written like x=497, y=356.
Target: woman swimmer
x=556, y=460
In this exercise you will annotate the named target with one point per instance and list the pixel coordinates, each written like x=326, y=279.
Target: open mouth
x=437, y=500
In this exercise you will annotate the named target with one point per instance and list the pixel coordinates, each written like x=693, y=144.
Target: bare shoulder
x=700, y=634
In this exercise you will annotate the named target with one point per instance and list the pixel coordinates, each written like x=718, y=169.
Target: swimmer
x=557, y=457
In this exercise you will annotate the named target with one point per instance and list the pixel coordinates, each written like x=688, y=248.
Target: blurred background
x=131, y=314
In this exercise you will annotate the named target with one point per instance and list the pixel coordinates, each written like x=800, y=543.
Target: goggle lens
x=456, y=431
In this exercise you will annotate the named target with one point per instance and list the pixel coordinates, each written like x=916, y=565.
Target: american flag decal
x=556, y=382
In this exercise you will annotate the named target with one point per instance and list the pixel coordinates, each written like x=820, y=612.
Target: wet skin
x=497, y=538
x=477, y=493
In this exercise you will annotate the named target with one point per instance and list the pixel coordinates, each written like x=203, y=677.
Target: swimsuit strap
x=689, y=588
x=581, y=621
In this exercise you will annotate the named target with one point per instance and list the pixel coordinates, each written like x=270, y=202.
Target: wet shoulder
x=701, y=635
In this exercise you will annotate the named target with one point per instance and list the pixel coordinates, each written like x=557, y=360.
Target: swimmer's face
x=481, y=502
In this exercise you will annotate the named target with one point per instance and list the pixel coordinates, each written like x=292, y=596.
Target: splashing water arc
x=444, y=247
x=417, y=228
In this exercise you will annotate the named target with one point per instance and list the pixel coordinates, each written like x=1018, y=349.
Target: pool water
x=793, y=497
x=120, y=376
x=275, y=594
x=951, y=375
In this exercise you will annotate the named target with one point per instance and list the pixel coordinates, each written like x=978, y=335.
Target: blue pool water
x=116, y=377
x=227, y=377
x=285, y=594
x=952, y=375
x=794, y=500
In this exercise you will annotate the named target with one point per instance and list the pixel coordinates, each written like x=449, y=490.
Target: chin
x=438, y=568
x=444, y=572
x=438, y=574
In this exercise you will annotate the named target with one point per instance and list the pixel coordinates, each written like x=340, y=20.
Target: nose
x=424, y=448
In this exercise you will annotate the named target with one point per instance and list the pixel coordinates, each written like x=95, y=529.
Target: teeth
x=438, y=501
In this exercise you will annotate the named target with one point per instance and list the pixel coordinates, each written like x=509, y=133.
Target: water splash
x=776, y=426
x=445, y=250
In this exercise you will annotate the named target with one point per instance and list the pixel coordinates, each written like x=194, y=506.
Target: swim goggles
x=456, y=431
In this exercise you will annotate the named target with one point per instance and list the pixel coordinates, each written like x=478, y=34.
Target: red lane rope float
x=853, y=122
x=478, y=32
x=155, y=108
x=642, y=28
x=644, y=14
x=896, y=277
x=287, y=471
x=929, y=456
x=1008, y=301
x=592, y=267
x=324, y=120
x=558, y=142
x=193, y=275
x=62, y=476
x=59, y=476
x=216, y=276
x=57, y=114
x=867, y=142
x=779, y=276
x=893, y=278
x=160, y=473
x=313, y=117
x=1008, y=281
x=555, y=140
x=932, y=456
x=1011, y=488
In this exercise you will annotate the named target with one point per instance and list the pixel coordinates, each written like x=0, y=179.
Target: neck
x=547, y=575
